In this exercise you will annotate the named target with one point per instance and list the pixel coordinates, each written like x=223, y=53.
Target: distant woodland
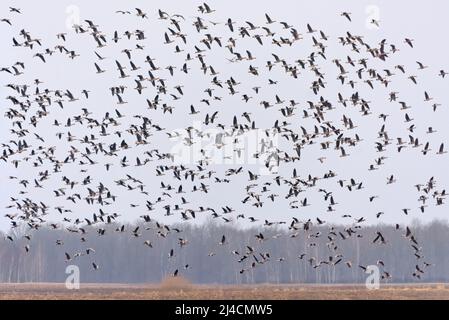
x=294, y=256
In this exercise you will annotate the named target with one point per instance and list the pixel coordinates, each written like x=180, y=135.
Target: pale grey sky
x=398, y=19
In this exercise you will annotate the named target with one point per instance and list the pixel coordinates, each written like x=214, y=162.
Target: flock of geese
x=108, y=143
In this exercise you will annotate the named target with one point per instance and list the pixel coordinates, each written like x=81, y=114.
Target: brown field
x=183, y=290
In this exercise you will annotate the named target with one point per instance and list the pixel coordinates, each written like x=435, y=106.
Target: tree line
x=123, y=256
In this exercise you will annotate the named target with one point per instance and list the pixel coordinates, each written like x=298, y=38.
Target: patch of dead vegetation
x=175, y=283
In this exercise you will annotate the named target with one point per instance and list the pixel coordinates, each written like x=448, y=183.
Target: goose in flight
x=379, y=237
x=377, y=24
x=347, y=15
x=206, y=8
x=269, y=20
x=421, y=65
x=443, y=73
x=441, y=149
x=99, y=70
x=141, y=14
x=16, y=10
x=409, y=42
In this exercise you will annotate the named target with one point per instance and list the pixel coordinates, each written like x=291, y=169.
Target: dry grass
x=179, y=288
x=175, y=284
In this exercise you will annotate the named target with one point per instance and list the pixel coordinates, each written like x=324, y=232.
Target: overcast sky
x=398, y=19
